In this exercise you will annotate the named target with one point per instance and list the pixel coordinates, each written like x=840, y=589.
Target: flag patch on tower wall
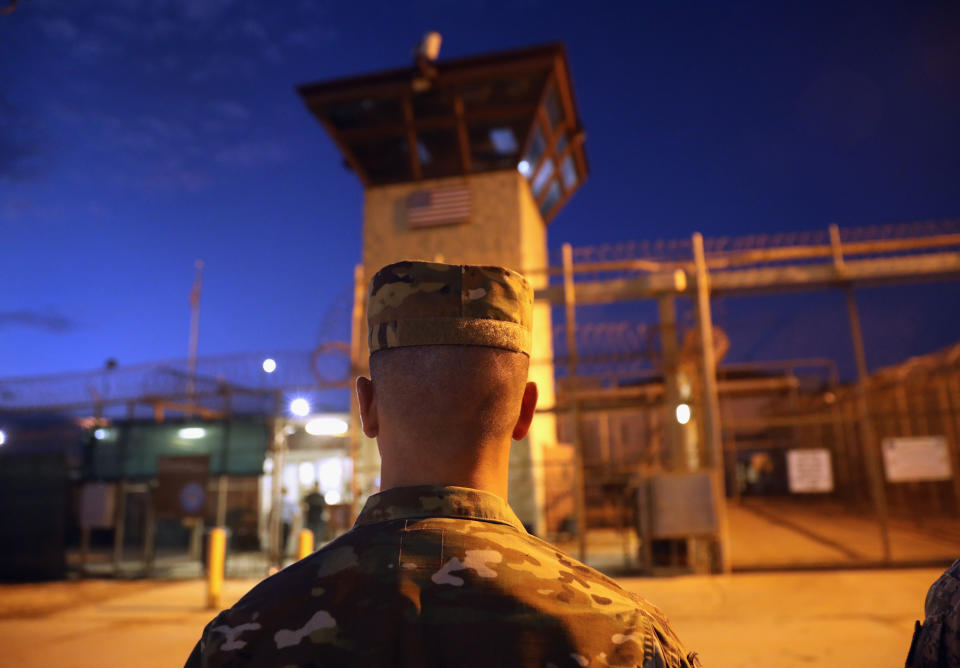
x=438, y=206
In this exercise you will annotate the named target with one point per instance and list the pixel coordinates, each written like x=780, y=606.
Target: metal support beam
x=356, y=333
x=569, y=298
x=412, y=149
x=951, y=412
x=711, y=404
x=871, y=446
x=278, y=447
x=120, y=507
x=668, y=349
x=463, y=138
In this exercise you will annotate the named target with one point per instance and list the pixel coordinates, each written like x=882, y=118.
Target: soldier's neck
x=408, y=467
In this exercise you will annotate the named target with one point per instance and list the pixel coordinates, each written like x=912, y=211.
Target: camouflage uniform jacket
x=936, y=644
x=440, y=576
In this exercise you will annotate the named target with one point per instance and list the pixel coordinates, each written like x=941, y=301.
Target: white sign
x=97, y=505
x=809, y=470
x=916, y=458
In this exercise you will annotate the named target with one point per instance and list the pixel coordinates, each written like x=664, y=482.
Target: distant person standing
x=315, y=506
x=288, y=514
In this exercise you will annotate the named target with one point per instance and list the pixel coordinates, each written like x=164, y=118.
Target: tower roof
x=506, y=110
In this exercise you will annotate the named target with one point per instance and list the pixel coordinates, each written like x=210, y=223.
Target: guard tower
x=467, y=161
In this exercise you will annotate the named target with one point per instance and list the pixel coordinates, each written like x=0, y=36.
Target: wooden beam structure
x=764, y=280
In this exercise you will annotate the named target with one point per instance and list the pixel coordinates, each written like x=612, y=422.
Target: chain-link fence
x=823, y=459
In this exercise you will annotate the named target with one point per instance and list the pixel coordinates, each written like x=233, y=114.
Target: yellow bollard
x=216, y=550
x=305, y=544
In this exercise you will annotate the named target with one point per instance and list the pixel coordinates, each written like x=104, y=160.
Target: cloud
x=19, y=147
x=223, y=65
x=58, y=28
x=116, y=23
x=253, y=154
x=272, y=54
x=311, y=36
x=20, y=209
x=232, y=110
x=254, y=29
x=204, y=10
x=51, y=322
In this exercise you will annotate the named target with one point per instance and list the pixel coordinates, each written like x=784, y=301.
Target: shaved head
x=472, y=394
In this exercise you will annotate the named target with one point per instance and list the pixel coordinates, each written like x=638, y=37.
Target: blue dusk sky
x=139, y=135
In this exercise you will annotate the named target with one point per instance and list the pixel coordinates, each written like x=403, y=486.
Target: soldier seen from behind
x=438, y=570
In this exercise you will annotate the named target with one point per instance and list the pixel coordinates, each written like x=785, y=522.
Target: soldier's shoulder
x=610, y=597
x=937, y=641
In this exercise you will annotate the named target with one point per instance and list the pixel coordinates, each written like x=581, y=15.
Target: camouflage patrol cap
x=430, y=303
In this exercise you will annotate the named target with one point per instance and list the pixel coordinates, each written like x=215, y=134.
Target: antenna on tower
x=426, y=55
x=429, y=48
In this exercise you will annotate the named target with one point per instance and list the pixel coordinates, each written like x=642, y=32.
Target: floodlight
x=300, y=407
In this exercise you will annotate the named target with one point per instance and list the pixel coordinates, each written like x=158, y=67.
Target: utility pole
x=194, y=328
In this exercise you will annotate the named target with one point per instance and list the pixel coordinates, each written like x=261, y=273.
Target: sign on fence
x=809, y=470
x=916, y=458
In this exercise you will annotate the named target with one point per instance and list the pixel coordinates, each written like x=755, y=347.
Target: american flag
x=439, y=206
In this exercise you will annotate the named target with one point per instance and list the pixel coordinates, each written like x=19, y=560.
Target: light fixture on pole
x=300, y=407
x=269, y=365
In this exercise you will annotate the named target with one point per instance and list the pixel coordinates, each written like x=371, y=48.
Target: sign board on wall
x=181, y=486
x=97, y=505
x=916, y=458
x=809, y=470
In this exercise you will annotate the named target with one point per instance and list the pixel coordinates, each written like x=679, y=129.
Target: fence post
x=222, y=480
x=671, y=392
x=711, y=401
x=949, y=421
x=121, y=498
x=871, y=448
x=569, y=300
x=278, y=448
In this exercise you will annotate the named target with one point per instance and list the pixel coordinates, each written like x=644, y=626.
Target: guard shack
x=467, y=161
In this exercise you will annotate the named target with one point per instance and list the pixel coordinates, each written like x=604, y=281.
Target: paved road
x=774, y=620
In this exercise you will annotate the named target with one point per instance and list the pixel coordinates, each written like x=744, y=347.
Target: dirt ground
x=775, y=620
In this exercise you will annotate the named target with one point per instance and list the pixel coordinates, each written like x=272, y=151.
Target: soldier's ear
x=367, y=399
x=528, y=405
